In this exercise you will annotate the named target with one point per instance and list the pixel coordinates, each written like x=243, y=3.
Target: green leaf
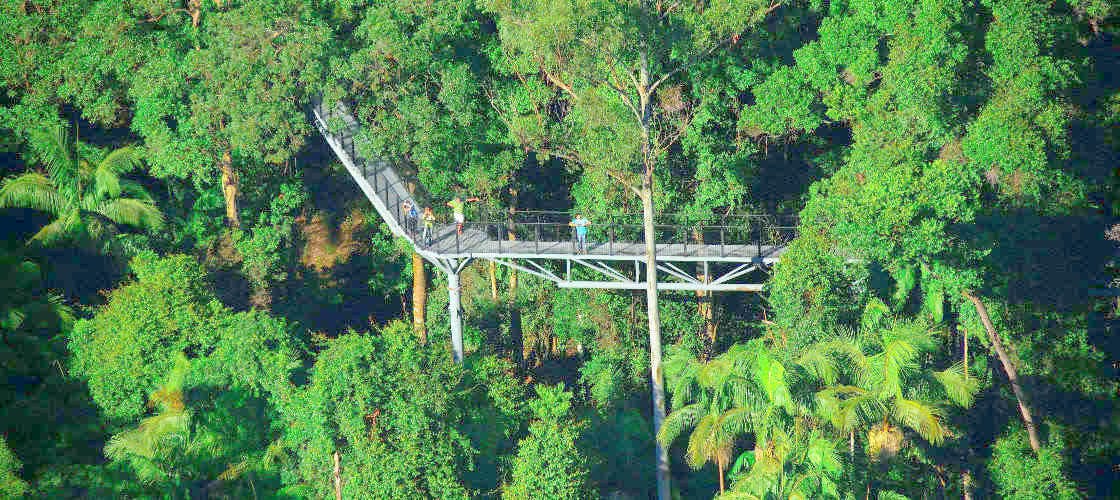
x=906, y=278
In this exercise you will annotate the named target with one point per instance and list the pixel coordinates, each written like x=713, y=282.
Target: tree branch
x=692, y=61
x=555, y=80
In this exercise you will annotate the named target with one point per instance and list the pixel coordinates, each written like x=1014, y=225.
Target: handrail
x=611, y=233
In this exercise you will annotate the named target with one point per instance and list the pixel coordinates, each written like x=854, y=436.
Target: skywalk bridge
x=730, y=253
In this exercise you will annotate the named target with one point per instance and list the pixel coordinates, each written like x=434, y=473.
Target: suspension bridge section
x=725, y=253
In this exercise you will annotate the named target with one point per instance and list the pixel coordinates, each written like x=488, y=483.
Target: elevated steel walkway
x=715, y=254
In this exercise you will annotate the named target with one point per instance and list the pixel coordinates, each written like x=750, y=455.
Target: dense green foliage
x=198, y=303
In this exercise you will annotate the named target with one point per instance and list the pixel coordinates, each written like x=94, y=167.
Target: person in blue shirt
x=411, y=217
x=581, y=232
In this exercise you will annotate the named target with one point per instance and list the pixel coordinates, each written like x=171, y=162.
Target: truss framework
x=589, y=271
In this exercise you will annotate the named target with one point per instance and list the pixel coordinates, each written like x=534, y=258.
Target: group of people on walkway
x=413, y=217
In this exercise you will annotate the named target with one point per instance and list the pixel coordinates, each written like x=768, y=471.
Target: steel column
x=454, y=314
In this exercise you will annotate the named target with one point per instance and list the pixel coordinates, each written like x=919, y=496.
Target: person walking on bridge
x=411, y=217
x=429, y=225
x=581, y=232
x=457, y=210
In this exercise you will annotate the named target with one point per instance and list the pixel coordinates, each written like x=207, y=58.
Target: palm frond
x=921, y=418
x=818, y=362
x=131, y=212
x=905, y=279
x=821, y=453
x=106, y=183
x=735, y=422
x=676, y=422
x=146, y=439
x=873, y=314
x=57, y=152
x=133, y=189
x=699, y=443
x=61, y=229
x=121, y=160
x=960, y=391
x=32, y=190
x=771, y=376
x=845, y=406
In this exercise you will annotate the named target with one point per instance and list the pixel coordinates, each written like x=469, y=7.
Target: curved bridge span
x=724, y=254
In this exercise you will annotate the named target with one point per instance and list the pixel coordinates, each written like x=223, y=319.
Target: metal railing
x=758, y=235
x=549, y=231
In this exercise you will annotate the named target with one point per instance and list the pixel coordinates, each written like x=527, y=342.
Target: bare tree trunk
x=965, y=332
x=230, y=190
x=719, y=465
x=419, y=298
x=657, y=381
x=966, y=484
x=337, y=476
x=1009, y=369
x=493, y=281
x=705, y=303
x=195, y=8
x=515, y=332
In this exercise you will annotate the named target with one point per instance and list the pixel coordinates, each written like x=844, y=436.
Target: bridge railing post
x=761, y=223
x=537, y=235
x=457, y=248
x=722, y=252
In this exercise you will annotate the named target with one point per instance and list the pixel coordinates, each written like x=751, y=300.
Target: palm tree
x=23, y=303
x=890, y=388
x=746, y=389
x=789, y=465
x=86, y=196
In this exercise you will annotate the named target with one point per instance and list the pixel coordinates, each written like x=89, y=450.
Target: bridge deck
x=386, y=189
x=476, y=243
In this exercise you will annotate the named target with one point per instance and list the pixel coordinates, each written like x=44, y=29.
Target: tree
x=890, y=386
x=548, y=463
x=221, y=92
x=163, y=443
x=1020, y=472
x=190, y=388
x=800, y=463
x=747, y=389
x=125, y=350
x=11, y=486
x=934, y=150
x=82, y=190
x=378, y=413
x=609, y=61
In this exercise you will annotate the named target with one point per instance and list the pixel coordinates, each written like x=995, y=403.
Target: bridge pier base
x=454, y=314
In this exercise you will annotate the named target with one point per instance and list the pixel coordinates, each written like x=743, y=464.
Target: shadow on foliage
x=1053, y=260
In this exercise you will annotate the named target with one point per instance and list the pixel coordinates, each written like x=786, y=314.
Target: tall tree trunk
x=493, y=271
x=230, y=190
x=337, y=476
x=419, y=298
x=657, y=381
x=1009, y=369
x=705, y=303
x=720, y=465
x=965, y=336
x=515, y=333
x=195, y=9
x=966, y=484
